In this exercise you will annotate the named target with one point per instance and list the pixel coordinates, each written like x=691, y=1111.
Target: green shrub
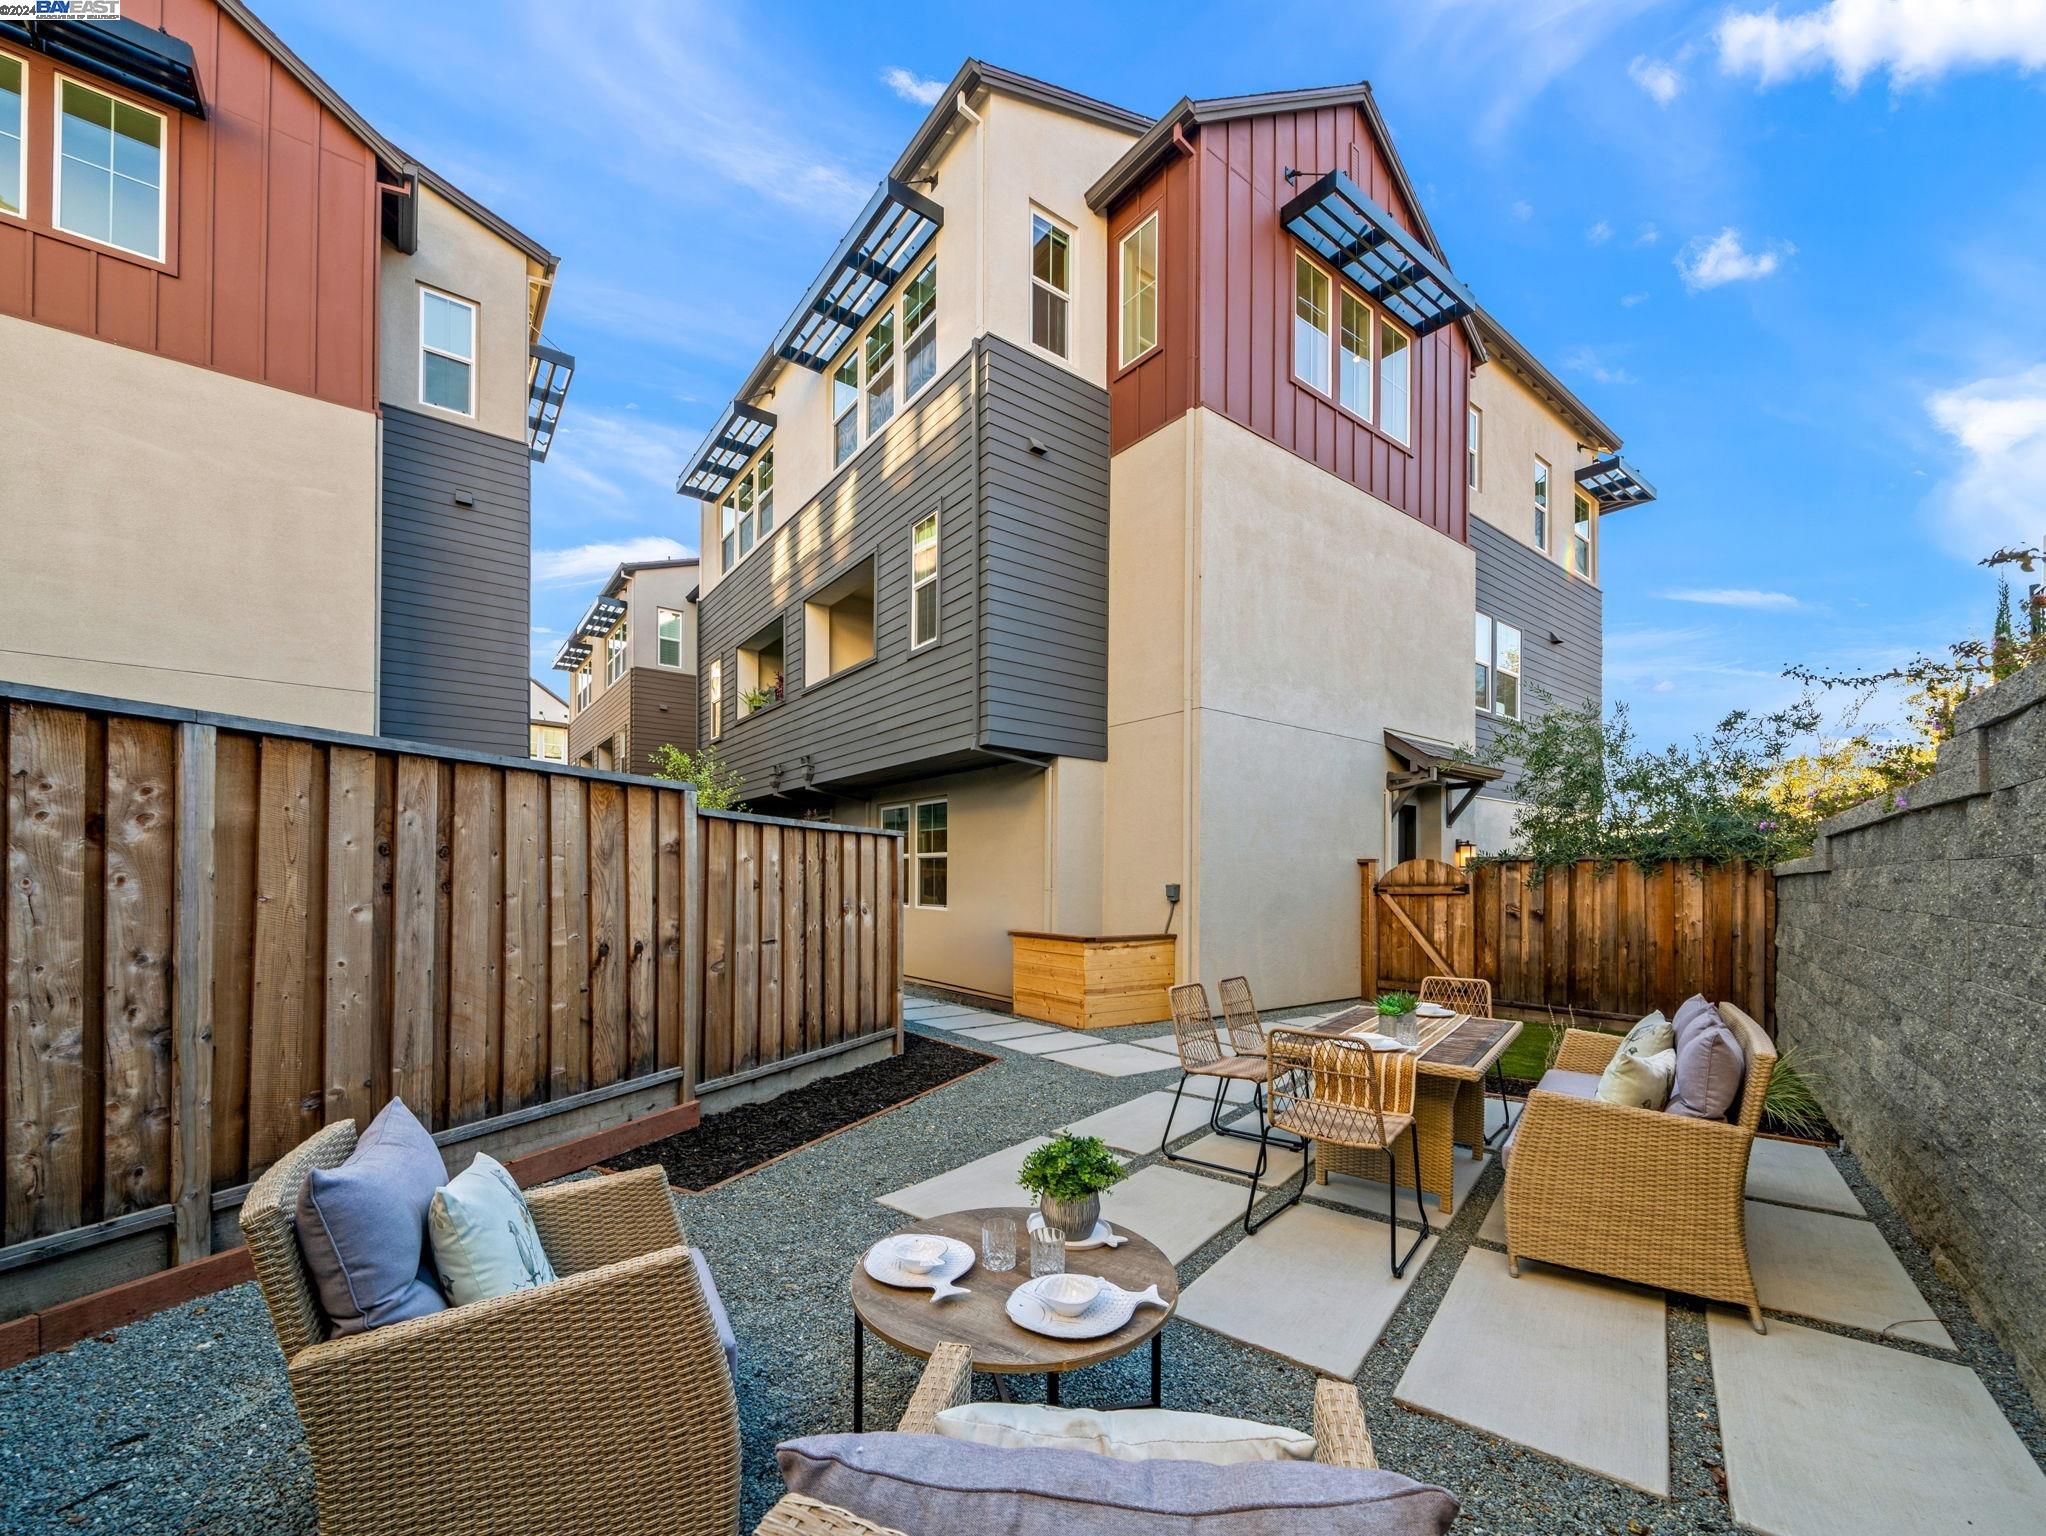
x=1790, y=1101
x=1070, y=1167
x=715, y=781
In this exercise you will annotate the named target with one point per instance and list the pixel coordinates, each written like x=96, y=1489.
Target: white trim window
x=845, y=414
x=933, y=854
x=617, y=654
x=895, y=818
x=13, y=136
x=746, y=515
x=447, y=352
x=1353, y=355
x=920, y=331
x=1395, y=382
x=1580, y=535
x=1541, y=503
x=879, y=349
x=582, y=687
x=668, y=637
x=923, y=582
x=1051, y=283
x=1311, y=290
x=1498, y=668
x=1138, y=304
x=717, y=700
x=1474, y=428
x=110, y=170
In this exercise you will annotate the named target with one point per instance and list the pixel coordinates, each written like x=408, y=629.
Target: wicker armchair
x=600, y=1403
x=1341, y=1439
x=1638, y=1194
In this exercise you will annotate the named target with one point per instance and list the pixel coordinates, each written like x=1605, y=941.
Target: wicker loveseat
x=1340, y=1439
x=600, y=1403
x=1637, y=1194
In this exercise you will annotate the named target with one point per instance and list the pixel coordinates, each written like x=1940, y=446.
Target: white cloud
x=1522, y=209
x=1661, y=81
x=1665, y=686
x=1734, y=597
x=1704, y=263
x=1914, y=40
x=1998, y=496
x=618, y=458
x=1586, y=361
x=1629, y=300
x=587, y=562
x=1599, y=233
x=911, y=86
x=1648, y=236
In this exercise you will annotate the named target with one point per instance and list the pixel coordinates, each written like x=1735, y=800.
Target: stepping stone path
x=1177, y=1211
x=989, y=1180
x=1838, y=1270
x=1114, y=1059
x=1791, y=1173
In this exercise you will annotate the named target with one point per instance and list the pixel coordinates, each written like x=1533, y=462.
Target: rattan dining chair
x=1202, y=1053
x=1472, y=995
x=1239, y=1013
x=1343, y=1093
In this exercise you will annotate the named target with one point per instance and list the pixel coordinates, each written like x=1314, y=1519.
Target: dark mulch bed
x=740, y=1140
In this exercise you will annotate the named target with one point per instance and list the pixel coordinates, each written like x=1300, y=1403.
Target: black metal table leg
x=859, y=1374
x=1051, y=1388
x=1158, y=1369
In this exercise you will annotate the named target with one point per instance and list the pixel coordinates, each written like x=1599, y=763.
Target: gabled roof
x=1158, y=141
x=1528, y=368
x=975, y=76
x=632, y=568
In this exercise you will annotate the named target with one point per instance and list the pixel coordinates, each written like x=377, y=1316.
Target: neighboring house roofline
x=1552, y=391
x=973, y=77
x=631, y=568
x=388, y=152
x=557, y=698
x=1186, y=113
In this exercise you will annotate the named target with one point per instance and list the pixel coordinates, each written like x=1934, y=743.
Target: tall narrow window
x=742, y=504
x=1051, y=283
x=717, y=700
x=845, y=401
x=1580, y=531
x=1474, y=426
x=669, y=634
x=920, y=331
x=880, y=350
x=447, y=352
x=763, y=483
x=13, y=126
x=1139, y=333
x=110, y=171
x=616, y=655
x=1395, y=382
x=1354, y=356
x=933, y=853
x=1541, y=503
x=1484, y=690
x=1506, y=672
x=1310, y=324
x=582, y=687
x=895, y=818
x=923, y=582
x=730, y=518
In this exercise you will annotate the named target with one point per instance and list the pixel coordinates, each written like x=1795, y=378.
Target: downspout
x=980, y=215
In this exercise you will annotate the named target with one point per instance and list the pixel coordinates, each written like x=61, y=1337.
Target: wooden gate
x=1418, y=917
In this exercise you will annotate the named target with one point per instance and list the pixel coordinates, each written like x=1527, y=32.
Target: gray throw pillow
x=1691, y=1012
x=929, y=1483
x=1710, y=1067
x=362, y=1226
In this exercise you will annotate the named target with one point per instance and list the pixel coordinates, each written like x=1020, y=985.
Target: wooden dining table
x=1453, y=1054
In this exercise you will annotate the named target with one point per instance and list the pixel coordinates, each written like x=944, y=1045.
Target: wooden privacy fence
x=220, y=935
x=1614, y=940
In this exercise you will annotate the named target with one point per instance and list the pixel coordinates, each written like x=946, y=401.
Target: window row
x=1346, y=350
x=926, y=850
x=863, y=386
x=107, y=182
x=1581, y=524
x=618, y=652
x=1498, y=672
x=746, y=516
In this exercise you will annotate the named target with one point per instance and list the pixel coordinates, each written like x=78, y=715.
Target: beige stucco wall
x=465, y=259
x=184, y=537
x=646, y=594
x=1516, y=429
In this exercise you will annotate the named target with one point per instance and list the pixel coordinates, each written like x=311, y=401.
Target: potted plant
x=1396, y=1015
x=1068, y=1174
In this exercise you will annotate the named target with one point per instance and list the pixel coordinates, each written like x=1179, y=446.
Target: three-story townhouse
x=631, y=665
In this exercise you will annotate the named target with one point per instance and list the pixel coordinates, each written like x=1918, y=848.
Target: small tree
x=715, y=781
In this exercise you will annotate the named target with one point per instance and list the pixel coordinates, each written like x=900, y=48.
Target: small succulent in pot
x=1068, y=1174
x=1396, y=1015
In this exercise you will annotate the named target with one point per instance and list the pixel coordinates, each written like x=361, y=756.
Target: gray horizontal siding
x=457, y=586
x=1527, y=589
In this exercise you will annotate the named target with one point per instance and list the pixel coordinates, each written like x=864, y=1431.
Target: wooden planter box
x=1091, y=982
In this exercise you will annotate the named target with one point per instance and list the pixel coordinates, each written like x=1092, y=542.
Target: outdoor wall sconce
x=1466, y=853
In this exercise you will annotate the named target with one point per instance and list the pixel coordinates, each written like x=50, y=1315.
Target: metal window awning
x=1427, y=764
x=573, y=653
x=875, y=255
x=1336, y=221
x=603, y=617
x=546, y=394
x=739, y=434
x=1613, y=484
x=148, y=62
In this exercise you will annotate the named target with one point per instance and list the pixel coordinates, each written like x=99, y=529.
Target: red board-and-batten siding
x=271, y=231
x=1225, y=312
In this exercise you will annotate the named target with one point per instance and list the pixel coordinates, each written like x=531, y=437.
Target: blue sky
x=1796, y=257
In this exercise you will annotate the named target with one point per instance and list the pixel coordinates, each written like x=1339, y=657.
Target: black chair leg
x=1278, y=1139
x=1392, y=1169
x=1201, y=1162
x=1252, y=1228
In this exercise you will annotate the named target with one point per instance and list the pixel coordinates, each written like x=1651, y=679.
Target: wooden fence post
x=192, y=995
x=1367, y=929
x=692, y=945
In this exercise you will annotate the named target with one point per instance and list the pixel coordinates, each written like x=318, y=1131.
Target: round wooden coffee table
x=916, y=1325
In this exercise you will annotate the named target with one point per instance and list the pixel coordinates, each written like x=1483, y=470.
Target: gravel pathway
x=183, y=1424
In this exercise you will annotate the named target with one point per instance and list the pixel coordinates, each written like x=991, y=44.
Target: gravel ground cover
x=182, y=1423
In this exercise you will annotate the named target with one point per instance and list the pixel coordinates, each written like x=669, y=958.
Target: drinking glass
x=998, y=1242
x=1047, y=1251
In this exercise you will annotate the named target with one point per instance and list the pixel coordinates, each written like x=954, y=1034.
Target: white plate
x=1379, y=1042
x=1110, y=1310
x=1435, y=1011
x=1103, y=1235
x=881, y=1262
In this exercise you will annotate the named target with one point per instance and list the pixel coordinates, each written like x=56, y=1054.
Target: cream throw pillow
x=1638, y=1081
x=484, y=1241
x=1126, y=1434
x=1653, y=1034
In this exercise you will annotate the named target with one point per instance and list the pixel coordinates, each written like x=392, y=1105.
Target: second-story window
x=923, y=582
x=110, y=171
x=447, y=352
x=845, y=408
x=1498, y=668
x=13, y=88
x=746, y=515
x=582, y=687
x=1051, y=283
x=880, y=354
x=1474, y=424
x=1580, y=535
x=1310, y=324
x=717, y=700
x=1541, y=503
x=616, y=652
x=1395, y=381
x=1139, y=298
x=668, y=634
x=1353, y=355
x=920, y=331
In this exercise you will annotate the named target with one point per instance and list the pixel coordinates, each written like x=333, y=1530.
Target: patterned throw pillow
x=484, y=1241
x=1127, y=1434
x=1639, y=1081
x=1654, y=1033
